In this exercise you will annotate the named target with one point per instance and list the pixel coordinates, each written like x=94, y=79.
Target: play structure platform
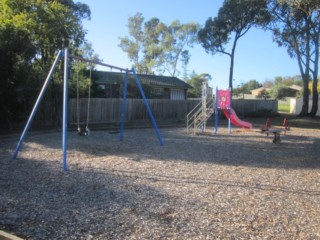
x=209, y=105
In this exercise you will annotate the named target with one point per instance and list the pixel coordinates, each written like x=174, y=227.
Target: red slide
x=235, y=120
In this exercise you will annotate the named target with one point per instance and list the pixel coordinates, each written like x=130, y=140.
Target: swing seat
x=84, y=132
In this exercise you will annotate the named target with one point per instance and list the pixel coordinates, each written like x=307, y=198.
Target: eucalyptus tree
x=133, y=44
x=296, y=25
x=177, y=40
x=154, y=46
x=235, y=18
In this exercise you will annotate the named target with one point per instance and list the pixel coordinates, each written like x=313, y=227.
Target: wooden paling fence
x=245, y=106
x=106, y=110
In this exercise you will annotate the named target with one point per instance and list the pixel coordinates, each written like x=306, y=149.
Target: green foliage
x=296, y=26
x=246, y=88
x=175, y=48
x=235, y=18
x=81, y=76
x=196, y=81
x=154, y=46
x=251, y=85
x=280, y=92
x=280, y=87
x=288, y=81
x=15, y=67
x=31, y=32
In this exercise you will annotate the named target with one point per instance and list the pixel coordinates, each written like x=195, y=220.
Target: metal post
x=65, y=111
x=37, y=104
x=230, y=111
x=124, y=100
x=216, y=112
x=148, y=107
x=203, y=107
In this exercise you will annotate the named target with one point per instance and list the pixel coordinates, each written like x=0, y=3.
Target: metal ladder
x=199, y=115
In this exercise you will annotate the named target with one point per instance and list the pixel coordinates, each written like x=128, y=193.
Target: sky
x=257, y=57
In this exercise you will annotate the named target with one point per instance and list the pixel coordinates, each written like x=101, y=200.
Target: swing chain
x=86, y=130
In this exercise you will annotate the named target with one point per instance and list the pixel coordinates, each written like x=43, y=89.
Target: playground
x=203, y=186
x=177, y=183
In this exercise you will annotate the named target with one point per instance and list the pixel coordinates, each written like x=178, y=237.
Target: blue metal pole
x=230, y=111
x=148, y=107
x=37, y=104
x=216, y=112
x=65, y=110
x=124, y=100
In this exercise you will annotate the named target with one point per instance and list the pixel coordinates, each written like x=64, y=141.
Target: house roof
x=103, y=77
x=296, y=87
x=258, y=90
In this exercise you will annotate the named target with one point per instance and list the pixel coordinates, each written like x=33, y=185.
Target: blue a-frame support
x=37, y=104
x=65, y=103
x=123, y=110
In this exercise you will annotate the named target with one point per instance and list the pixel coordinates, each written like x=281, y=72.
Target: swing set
x=82, y=131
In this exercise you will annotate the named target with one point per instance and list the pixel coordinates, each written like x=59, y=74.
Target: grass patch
x=284, y=108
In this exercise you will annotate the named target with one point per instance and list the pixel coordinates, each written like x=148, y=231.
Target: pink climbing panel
x=224, y=99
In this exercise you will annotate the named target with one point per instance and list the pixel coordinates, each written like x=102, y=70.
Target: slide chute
x=235, y=120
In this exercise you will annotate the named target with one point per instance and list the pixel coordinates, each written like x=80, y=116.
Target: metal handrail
x=193, y=109
x=208, y=113
x=196, y=115
x=192, y=112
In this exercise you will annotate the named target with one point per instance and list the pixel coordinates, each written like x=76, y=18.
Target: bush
x=281, y=92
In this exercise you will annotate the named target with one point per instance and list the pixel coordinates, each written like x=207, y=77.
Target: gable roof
x=295, y=87
x=103, y=77
x=258, y=90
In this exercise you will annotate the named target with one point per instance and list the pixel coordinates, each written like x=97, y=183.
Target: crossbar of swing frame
x=97, y=63
x=65, y=103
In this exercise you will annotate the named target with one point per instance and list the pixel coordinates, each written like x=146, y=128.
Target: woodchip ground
x=224, y=186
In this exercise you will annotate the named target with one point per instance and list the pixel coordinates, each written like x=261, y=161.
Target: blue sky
x=257, y=56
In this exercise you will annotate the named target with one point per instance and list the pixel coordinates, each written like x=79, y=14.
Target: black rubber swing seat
x=84, y=132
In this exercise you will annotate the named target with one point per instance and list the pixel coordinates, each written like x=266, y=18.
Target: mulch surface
x=203, y=186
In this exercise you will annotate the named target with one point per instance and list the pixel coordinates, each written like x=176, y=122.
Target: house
x=160, y=87
x=289, y=91
x=256, y=92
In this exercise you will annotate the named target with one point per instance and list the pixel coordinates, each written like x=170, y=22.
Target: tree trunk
x=231, y=71
x=305, y=104
x=305, y=76
x=315, y=93
x=314, y=109
x=232, y=55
